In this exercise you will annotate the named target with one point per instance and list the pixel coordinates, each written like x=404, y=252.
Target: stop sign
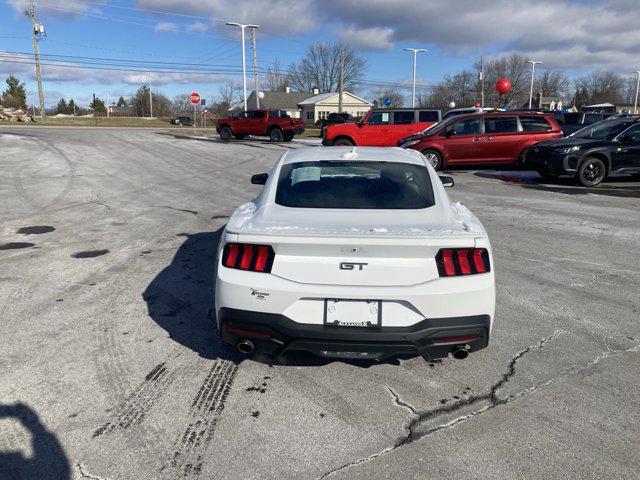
x=194, y=98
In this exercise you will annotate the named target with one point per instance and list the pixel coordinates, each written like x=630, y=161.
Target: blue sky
x=574, y=36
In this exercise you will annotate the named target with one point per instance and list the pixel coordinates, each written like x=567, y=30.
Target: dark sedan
x=590, y=154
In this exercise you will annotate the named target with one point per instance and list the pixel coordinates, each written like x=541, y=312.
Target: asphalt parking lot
x=110, y=366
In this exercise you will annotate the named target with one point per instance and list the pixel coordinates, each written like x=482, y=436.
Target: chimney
x=316, y=91
x=287, y=89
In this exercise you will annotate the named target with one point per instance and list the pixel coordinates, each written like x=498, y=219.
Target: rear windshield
x=354, y=185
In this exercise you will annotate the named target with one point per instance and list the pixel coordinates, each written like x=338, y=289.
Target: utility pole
x=108, y=100
x=481, y=82
x=635, y=104
x=244, y=67
x=533, y=72
x=255, y=66
x=150, y=97
x=415, y=54
x=341, y=81
x=37, y=29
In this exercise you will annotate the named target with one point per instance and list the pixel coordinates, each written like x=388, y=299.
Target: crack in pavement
x=84, y=474
x=491, y=397
x=419, y=418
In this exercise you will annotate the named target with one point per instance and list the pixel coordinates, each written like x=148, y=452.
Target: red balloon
x=477, y=104
x=503, y=85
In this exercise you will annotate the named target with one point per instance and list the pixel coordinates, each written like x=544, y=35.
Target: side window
x=535, y=124
x=244, y=115
x=403, y=117
x=428, y=116
x=258, y=114
x=500, y=125
x=378, y=118
x=471, y=126
x=634, y=133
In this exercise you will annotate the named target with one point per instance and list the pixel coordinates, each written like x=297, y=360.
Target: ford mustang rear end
x=354, y=253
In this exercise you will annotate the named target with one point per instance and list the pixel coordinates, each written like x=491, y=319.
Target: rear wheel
x=434, y=158
x=275, y=135
x=591, y=172
x=288, y=137
x=343, y=142
x=226, y=133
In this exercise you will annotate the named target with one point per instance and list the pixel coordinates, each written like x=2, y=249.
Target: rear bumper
x=275, y=334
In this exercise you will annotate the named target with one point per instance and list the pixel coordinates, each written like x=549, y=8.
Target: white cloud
x=197, y=27
x=372, y=38
x=72, y=9
x=166, y=27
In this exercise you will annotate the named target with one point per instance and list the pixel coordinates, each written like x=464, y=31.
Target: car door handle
x=488, y=138
x=477, y=139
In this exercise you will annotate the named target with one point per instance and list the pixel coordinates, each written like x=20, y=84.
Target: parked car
x=354, y=253
x=275, y=124
x=182, y=120
x=381, y=127
x=571, y=122
x=482, y=138
x=335, y=119
x=590, y=154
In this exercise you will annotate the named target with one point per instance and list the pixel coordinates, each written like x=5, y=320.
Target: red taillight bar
x=245, y=256
x=462, y=261
x=460, y=339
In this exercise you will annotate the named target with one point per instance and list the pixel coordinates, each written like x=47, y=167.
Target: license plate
x=353, y=313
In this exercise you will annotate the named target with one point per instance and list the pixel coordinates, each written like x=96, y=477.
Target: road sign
x=203, y=102
x=387, y=101
x=194, y=98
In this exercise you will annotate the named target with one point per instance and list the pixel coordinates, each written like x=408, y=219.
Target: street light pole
x=533, y=72
x=635, y=103
x=415, y=54
x=244, y=68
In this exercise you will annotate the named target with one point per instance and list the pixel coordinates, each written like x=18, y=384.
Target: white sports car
x=355, y=253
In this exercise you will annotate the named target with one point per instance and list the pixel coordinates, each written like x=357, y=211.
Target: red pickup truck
x=381, y=127
x=275, y=124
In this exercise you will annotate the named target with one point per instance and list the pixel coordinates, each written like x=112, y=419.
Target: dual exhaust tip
x=459, y=352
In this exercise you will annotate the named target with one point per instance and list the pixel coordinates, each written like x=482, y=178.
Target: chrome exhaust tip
x=245, y=346
x=460, y=352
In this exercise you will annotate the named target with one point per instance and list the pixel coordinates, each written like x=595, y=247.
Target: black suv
x=335, y=118
x=571, y=122
x=183, y=120
x=590, y=154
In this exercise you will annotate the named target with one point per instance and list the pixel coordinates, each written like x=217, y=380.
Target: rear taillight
x=462, y=261
x=245, y=256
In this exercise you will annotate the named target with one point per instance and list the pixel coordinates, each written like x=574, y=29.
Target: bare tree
x=320, y=67
x=181, y=103
x=514, y=67
x=600, y=87
x=228, y=94
x=380, y=94
x=275, y=78
x=551, y=83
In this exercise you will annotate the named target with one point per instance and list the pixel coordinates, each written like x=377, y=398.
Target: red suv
x=483, y=138
x=381, y=127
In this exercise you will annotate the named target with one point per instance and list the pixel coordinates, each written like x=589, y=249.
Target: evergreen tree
x=97, y=105
x=16, y=91
x=121, y=102
x=62, y=106
x=71, y=107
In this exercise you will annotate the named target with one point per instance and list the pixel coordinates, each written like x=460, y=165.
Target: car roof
x=371, y=154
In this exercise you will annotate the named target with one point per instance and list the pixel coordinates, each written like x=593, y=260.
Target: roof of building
x=274, y=100
x=325, y=96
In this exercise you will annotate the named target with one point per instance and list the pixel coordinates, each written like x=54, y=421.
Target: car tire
x=591, y=172
x=343, y=142
x=275, y=135
x=226, y=133
x=434, y=158
x=288, y=137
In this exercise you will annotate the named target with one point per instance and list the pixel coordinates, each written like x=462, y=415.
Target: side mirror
x=450, y=133
x=447, y=181
x=360, y=123
x=259, y=178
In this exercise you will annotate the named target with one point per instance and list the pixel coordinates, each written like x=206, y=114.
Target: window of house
x=310, y=115
x=500, y=125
